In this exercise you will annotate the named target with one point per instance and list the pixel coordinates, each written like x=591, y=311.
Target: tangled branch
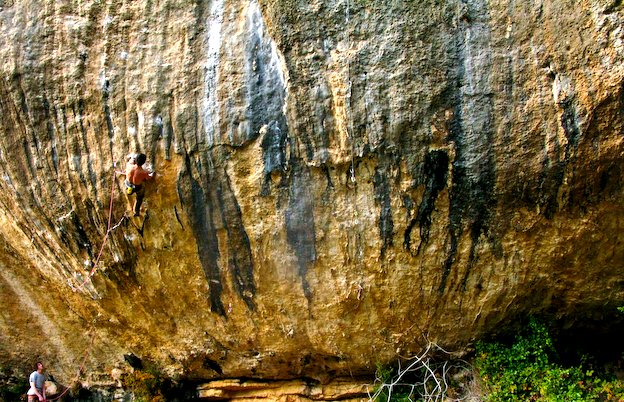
x=423, y=379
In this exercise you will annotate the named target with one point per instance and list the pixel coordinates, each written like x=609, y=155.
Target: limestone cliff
x=335, y=180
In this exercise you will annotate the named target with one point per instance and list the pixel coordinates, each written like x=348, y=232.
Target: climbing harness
x=130, y=188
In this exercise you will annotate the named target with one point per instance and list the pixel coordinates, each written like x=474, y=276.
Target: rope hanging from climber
x=135, y=176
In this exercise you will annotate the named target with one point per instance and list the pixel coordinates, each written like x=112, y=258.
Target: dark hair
x=140, y=159
x=37, y=365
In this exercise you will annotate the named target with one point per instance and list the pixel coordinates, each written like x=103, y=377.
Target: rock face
x=338, y=182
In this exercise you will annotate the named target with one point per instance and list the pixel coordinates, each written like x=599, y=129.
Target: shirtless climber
x=135, y=176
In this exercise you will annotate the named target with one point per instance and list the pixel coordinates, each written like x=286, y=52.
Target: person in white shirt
x=37, y=384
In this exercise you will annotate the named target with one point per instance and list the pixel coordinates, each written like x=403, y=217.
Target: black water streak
x=570, y=125
x=260, y=98
x=122, y=110
x=23, y=105
x=197, y=206
x=85, y=144
x=435, y=171
x=459, y=183
x=240, y=262
x=300, y=229
x=17, y=81
x=480, y=225
x=80, y=238
x=471, y=200
x=75, y=148
x=201, y=10
x=382, y=197
x=110, y=128
x=156, y=135
x=192, y=131
x=551, y=179
x=330, y=184
x=50, y=132
x=266, y=94
x=167, y=136
x=29, y=159
x=553, y=171
x=472, y=196
x=175, y=211
x=573, y=133
x=273, y=153
x=107, y=112
x=209, y=202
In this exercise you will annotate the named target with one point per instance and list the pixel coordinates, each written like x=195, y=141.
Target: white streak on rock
x=210, y=112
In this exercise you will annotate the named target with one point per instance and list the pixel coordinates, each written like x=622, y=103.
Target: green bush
x=12, y=392
x=526, y=371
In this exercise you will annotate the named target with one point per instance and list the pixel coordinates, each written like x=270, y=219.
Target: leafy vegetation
x=527, y=370
x=12, y=388
x=527, y=367
x=12, y=392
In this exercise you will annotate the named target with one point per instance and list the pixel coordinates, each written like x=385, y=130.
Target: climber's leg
x=140, y=194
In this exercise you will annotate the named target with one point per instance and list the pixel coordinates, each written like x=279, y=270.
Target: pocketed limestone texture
x=337, y=182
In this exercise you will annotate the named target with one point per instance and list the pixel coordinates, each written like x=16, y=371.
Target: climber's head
x=140, y=159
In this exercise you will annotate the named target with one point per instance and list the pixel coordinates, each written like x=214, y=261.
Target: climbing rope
x=350, y=126
x=80, y=370
x=348, y=113
x=109, y=229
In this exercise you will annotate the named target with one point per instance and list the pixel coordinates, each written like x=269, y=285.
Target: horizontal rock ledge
x=343, y=389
